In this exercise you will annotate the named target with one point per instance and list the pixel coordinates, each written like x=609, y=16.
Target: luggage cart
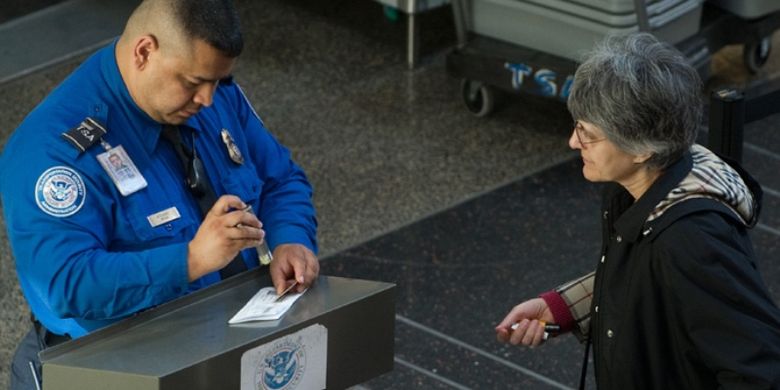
x=496, y=52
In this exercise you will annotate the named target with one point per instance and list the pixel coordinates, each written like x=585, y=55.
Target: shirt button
x=610, y=333
x=606, y=213
x=596, y=309
x=603, y=258
x=618, y=239
x=168, y=227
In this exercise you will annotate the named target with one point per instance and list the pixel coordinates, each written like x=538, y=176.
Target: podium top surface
x=194, y=328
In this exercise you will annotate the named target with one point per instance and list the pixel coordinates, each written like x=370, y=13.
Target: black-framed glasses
x=583, y=136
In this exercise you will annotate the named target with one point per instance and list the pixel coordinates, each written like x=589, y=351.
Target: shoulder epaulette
x=86, y=134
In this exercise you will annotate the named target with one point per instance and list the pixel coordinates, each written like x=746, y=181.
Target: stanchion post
x=727, y=122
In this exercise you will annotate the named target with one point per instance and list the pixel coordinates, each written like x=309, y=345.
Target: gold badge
x=232, y=149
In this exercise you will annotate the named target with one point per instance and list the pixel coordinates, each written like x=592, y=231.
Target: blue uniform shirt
x=88, y=256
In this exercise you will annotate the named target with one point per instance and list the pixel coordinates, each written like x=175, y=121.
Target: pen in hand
x=287, y=290
x=264, y=256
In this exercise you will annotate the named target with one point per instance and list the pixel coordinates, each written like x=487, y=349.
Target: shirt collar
x=630, y=223
x=146, y=129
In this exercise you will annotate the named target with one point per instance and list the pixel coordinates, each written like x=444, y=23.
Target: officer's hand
x=530, y=317
x=225, y=231
x=293, y=262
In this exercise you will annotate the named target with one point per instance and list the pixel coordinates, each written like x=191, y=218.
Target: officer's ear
x=144, y=47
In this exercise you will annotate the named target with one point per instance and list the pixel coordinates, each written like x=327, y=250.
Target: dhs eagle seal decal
x=60, y=192
x=294, y=361
x=283, y=367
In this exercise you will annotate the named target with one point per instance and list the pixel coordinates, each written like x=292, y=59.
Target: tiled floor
x=466, y=215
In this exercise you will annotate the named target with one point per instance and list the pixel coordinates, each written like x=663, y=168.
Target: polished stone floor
x=466, y=215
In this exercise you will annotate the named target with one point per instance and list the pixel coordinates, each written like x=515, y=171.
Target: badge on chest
x=122, y=170
x=232, y=148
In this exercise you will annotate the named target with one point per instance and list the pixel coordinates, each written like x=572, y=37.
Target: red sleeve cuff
x=559, y=310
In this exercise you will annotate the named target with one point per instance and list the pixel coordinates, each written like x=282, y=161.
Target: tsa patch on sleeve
x=60, y=192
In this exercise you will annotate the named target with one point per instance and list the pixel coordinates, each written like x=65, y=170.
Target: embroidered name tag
x=165, y=216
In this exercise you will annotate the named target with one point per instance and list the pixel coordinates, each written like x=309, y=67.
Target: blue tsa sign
x=60, y=191
x=545, y=82
x=295, y=361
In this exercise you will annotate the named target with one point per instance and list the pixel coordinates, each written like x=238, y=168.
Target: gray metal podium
x=188, y=344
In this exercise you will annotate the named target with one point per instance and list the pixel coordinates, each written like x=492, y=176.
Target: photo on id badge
x=122, y=170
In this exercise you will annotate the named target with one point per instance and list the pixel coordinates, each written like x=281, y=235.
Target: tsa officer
x=206, y=181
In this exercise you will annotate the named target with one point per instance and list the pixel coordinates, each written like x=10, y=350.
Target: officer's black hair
x=213, y=21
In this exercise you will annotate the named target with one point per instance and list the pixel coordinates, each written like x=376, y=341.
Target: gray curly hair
x=642, y=93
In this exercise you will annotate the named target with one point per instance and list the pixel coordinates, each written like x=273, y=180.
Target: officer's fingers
x=300, y=265
x=309, y=276
x=251, y=236
x=237, y=218
x=240, y=218
x=312, y=265
x=249, y=218
x=278, y=276
x=225, y=204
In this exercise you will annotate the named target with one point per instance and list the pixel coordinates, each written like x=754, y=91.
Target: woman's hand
x=530, y=316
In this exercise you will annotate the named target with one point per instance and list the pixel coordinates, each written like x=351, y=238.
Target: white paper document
x=263, y=306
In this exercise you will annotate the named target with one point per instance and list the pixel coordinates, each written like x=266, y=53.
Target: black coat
x=678, y=302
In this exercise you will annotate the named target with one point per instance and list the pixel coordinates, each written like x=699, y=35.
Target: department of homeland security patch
x=60, y=192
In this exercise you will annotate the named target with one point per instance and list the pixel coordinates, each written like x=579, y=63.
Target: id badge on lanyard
x=121, y=169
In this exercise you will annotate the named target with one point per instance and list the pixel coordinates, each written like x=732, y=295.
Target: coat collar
x=630, y=223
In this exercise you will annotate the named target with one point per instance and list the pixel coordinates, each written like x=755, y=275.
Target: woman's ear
x=143, y=49
x=641, y=158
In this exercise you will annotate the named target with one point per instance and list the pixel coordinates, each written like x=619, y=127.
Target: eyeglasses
x=584, y=137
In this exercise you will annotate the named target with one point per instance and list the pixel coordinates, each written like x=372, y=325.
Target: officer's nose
x=204, y=96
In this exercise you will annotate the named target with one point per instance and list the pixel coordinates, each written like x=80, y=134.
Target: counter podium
x=188, y=344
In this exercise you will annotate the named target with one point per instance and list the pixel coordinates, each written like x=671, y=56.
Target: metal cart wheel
x=756, y=53
x=480, y=98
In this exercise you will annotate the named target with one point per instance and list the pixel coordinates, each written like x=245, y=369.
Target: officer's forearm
x=195, y=265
